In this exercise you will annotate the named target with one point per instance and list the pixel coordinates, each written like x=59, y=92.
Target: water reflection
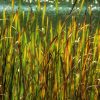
x=50, y=7
x=52, y=1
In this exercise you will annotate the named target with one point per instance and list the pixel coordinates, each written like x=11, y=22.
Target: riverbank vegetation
x=40, y=60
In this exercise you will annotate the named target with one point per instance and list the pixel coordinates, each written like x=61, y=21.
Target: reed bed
x=43, y=61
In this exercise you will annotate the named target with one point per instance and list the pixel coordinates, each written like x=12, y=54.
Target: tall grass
x=39, y=60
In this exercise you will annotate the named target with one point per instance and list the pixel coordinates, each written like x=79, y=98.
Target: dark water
x=53, y=11
x=63, y=9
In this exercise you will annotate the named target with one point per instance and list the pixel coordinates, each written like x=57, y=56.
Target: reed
x=43, y=61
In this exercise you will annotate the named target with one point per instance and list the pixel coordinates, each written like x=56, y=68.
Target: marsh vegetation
x=45, y=57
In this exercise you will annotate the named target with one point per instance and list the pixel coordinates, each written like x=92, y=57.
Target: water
x=70, y=1
x=50, y=8
x=64, y=7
